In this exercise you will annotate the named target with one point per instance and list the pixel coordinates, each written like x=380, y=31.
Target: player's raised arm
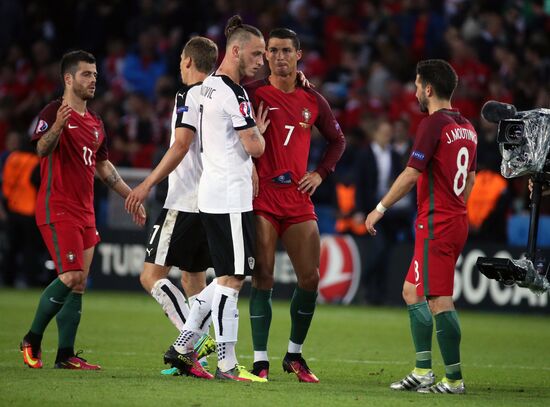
x=110, y=177
x=48, y=141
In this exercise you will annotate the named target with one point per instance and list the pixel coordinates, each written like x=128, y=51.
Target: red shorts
x=283, y=206
x=66, y=242
x=433, y=265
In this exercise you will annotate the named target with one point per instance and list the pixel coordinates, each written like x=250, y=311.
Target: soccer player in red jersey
x=442, y=165
x=286, y=114
x=70, y=141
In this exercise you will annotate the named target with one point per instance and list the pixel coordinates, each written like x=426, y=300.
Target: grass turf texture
x=355, y=351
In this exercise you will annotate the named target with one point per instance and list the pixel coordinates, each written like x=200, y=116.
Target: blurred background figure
x=23, y=263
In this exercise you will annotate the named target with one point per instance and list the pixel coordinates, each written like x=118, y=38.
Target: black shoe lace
x=77, y=355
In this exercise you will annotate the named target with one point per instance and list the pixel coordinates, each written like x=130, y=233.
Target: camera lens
x=514, y=132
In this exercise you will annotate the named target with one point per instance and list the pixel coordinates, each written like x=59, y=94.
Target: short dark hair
x=203, y=52
x=286, y=33
x=236, y=27
x=440, y=75
x=69, y=61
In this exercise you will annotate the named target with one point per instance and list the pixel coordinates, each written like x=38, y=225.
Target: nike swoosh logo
x=256, y=316
x=416, y=285
x=76, y=365
x=304, y=313
x=441, y=330
x=72, y=127
x=55, y=301
x=28, y=357
x=272, y=108
x=241, y=97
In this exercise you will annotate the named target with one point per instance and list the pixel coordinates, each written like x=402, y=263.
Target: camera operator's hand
x=545, y=189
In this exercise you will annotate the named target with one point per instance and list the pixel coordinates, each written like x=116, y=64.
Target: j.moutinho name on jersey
x=460, y=133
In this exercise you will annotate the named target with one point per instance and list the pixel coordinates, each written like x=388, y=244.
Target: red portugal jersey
x=67, y=174
x=444, y=151
x=288, y=136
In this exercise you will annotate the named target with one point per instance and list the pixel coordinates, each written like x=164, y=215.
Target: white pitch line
x=313, y=359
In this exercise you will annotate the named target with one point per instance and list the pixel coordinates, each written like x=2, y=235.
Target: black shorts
x=178, y=239
x=232, y=241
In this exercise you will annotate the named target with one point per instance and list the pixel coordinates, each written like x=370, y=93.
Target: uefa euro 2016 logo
x=244, y=107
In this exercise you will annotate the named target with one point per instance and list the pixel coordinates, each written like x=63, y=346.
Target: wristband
x=381, y=208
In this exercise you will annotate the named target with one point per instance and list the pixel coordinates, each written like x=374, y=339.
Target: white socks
x=201, y=310
x=172, y=302
x=294, y=347
x=225, y=316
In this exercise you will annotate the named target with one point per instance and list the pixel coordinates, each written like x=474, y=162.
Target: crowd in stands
x=360, y=55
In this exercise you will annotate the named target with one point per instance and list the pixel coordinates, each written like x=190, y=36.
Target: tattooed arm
x=110, y=177
x=48, y=141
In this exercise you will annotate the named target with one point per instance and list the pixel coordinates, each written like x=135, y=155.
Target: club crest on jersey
x=71, y=257
x=245, y=109
x=306, y=116
x=41, y=127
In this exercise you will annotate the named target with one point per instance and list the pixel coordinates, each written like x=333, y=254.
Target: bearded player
x=286, y=114
x=72, y=146
x=442, y=166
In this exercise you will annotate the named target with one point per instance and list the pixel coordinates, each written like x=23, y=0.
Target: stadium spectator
x=442, y=165
x=142, y=131
x=377, y=165
x=143, y=66
x=64, y=207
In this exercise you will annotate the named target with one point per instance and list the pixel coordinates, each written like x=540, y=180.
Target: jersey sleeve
x=46, y=119
x=331, y=131
x=425, y=144
x=187, y=111
x=102, y=153
x=240, y=110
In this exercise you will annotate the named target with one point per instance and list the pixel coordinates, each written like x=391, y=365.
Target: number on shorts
x=155, y=230
x=416, y=273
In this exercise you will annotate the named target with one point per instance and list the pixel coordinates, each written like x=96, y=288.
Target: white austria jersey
x=183, y=182
x=226, y=181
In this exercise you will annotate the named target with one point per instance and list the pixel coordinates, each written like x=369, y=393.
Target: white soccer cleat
x=444, y=387
x=414, y=381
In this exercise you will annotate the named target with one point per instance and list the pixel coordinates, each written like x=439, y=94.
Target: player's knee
x=193, y=283
x=146, y=280
x=263, y=281
x=309, y=281
x=409, y=296
x=74, y=280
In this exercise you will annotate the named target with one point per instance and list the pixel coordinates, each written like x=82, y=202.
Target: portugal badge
x=71, y=257
x=306, y=116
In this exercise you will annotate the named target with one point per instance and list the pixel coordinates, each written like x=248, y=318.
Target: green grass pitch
x=355, y=351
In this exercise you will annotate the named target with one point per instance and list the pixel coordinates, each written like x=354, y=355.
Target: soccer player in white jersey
x=228, y=139
x=178, y=237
